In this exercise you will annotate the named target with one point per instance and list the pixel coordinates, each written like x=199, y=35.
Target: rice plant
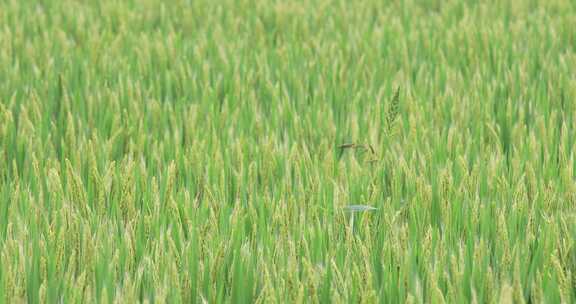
x=200, y=151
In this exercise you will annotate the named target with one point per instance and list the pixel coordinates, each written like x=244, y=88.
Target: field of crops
x=200, y=151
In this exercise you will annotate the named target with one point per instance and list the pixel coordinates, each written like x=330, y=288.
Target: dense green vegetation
x=205, y=151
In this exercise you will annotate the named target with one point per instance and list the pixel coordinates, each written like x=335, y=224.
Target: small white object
x=359, y=208
x=355, y=209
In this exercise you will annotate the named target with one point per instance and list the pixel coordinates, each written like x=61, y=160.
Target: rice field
x=306, y=151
